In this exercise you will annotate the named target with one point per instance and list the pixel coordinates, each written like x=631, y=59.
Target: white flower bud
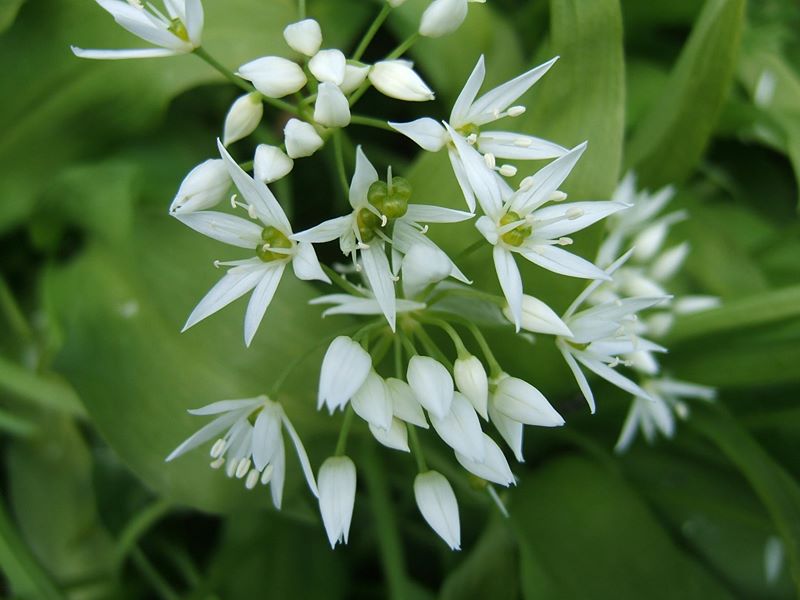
x=471, y=380
x=423, y=265
x=397, y=79
x=396, y=437
x=328, y=66
x=539, y=318
x=304, y=36
x=242, y=118
x=519, y=400
x=431, y=383
x=649, y=241
x=404, y=403
x=437, y=503
x=337, y=495
x=273, y=76
x=494, y=466
x=301, y=138
x=205, y=186
x=373, y=403
x=669, y=262
x=270, y=163
x=344, y=370
x=443, y=17
x=354, y=76
x=331, y=108
x=460, y=428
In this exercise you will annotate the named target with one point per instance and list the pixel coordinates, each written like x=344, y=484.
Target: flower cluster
x=393, y=371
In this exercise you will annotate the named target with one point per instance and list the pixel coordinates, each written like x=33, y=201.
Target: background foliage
x=97, y=280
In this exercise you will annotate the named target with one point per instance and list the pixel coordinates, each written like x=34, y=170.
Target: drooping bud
x=397, y=79
x=373, y=403
x=270, y=163
x=344, y=370
x=519, y=400
x=354, y=76
x=431, y=383
x=304, y=36
x=273, y=76
x=443, y=17
x=328, y=66
x=471, y=380
x=242, y=118
x=537, y=317
x=331, y=108
x=438, y=505
x=337, y=495
x=205, y=186
x=301, y=139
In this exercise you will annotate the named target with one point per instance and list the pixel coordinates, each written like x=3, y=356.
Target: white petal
x=224, y=228
x=510, y=281
x=122, y=54
x=629, y=428
x=233, y=285
x=437, y=503
x=467, y=96
x=426, y=132
x=442, y=17
x=404, y=403
x=505, y=144
x=373, y=403
x=539, y=318
x=194, y=20
x=460, y=428
x=337, y=495
x=305, y=464
x=271, y=163
x=510, y=430
x=266, y=436
x=325, y=231
x=344, y=369
x=494, y=467
x=545, y=181
x=354, y=76
x=471, y=380
x=426, y=213
x=278, y=476
x=685, y=389
x=562, y=262
x=243, y=117
x=574, y=217
x=225, y=406
x=396, y=437
x=273, y=76
x=669, y=262
x=206, y=433
x=331, y=108
x=306, y=265
x=363, y=177
x=580, y=378
x=379, y=275
x=397, y=79
x=424, y=265
x=205, y=186
x=328, y=66
x=431, y=383
x=260, y=300
x=461, y=177
x=610, y=375
x=481, y=178
x=519, y=400
x=304, y=36
x=301, y=139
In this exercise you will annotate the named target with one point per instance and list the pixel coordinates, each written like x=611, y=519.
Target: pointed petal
x=426, y=213
x=613, y=377
x=326, y=231
x=439, y=507
x=233, y=285
x=537, y=317
x=494, y=466
x=379, y=275
x=580, y=378
x=328, y=66
x=373, y=403
x=426, y=132
x=278, y=476
x=222, y=406
x=344, y=369
x=510, y=281
x=516, y=146
x=481, y=178
x=404, y=403
x=458, y=116
x=222, y=227
x=266, y=436
x=460, y=428
x=574, y=217
x=259, y=301
x=206, y=433
x=331, y=108
x=431, y=383
x=510, y=430
x=520, y=401
x=306, y=264
x=461, y=177
x=305, y=464
x=396, y=437
x=629, y=428
x=194, y=20
x=122, y=54
x=545, y=181
x=363, y=176
x=562, y=262
x=337, y=495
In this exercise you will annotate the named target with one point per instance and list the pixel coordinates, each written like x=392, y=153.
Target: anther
x=522, y=142
x=557, y=196
x=242, y=468
x=233, y=200
x=252, y=479
x=508, y=170
x=573, y=213
x=424, y=230
x=516, y=111
x=362, y=246
x=217, y=264
x=526, y=184
x=216, y=464
x=251, y=211
x=266, y=475
x=218, y=448
x=564, y=241
x=489, y=159
x=472, y=138
x=384, y=220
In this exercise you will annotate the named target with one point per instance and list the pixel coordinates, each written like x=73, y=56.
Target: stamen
x=266, y=475
x=362, y=246
x=574, y=213
x=218, y=448
x=522, y=142
x=557, y=196
x=472, y=138
x=252, y=479
x=489, y=159
x=384, y=220
x=516, y=111
x=508, y=170
x=682, y=410
x=242, y=468
x=216, y=464
x=526, y=183
x=251, y=211
x=424, y=229
x=564, y=241
x=217, y=264
x=233, y=200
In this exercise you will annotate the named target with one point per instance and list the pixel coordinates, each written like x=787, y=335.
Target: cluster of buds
x=392, y=372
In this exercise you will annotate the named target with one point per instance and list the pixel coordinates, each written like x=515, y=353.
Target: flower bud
x=273, y=76
x=270, y=163
x=538, y=317
x=328, y=66
x=373, y=403
x=423, y=265
x=494, y=466
x=331, y=108
x=443, y=17
x=437, y=503
x=354, y=76
x=337, y=495
x=205, y=186
x=304, y=36
x=242, y=118
x=471, y=381
x=396, y=437
x=396, y=3
x=344, y=369
x=431, y=383
x=397, y=79
x=519, y=400
x=460, y=428
x=301, y=139
x=404, y=403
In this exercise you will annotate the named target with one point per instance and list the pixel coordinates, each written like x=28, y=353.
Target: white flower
x=494, y=466
x=397, y=79
x=469, y=115
x=655, y=414
x=404, y=403
x=471, y=380
x=273, y=76
x=344, y=370
x=301, y=139
x=177, y=32
x=253, y=452
x=520, y=401
x=242, y=118
x=373, y=402
x=354, y=76
x=460, y=428
x=443, y=17
x=432, y=385
x=510, y=430
x=516, y=222
x=437, y=503
x=270, y=241
x=347, y=304
x=537, y=317
x=331, y=108
x=337, y=495
x=304, y=36
x=270, y=163
x=328, y=66
x=423, y=265
x=205, y=186
x=395, y=437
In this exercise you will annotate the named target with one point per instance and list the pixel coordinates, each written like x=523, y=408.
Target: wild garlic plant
x=390, y=371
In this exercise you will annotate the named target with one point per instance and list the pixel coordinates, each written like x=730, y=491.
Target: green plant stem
x=153, y=577
x=431, y=347
x=389, y=541
x=476, y=245
x=405, y=45
x=370, y=122
x=370, y=33
x=461, y=349
x=301, y=9
x=341, y=443
x=342, y=282
x=468, y=293
x=136, y=528
x=494, y=366
x=239, y=82
x=14, y=315
x=416, y=448
x=338, y=154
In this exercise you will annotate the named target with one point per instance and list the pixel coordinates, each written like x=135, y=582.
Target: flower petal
x=439, y=507
x=426, y=132
x=379, y=275
x=363, y=176
x=326, y=231
x=122, y=54
x=305, y=464
x=431, y=383
x=541, y=185
x=233, y=285
x=426, y=213
x=460, y=428
x=505, y=144
x=481, y=178
x=562, y=262
x=574, y=217
x=344, y=369
x=510, y=281
x=260, y=300
x=223, y=227
x=404, y=403
x=458, y=116
x=208, y=432
x=395, y=437
x=306, y=264
x=494, y=466
x=373, y=403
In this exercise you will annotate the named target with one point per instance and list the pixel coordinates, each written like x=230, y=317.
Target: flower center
x=469, y=129
x=517, y=236
x=177, y=27
x=368, y=223
x=272, y=239
x=390, y=199
x=577, y=346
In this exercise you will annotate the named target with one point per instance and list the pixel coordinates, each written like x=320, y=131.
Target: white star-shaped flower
x=271, y=240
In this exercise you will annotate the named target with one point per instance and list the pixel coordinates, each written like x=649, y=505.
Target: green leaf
x=581, y=528
x=47, y=390
x=583, y=96
x=777, y=489
x=8, y=12
x=672, y=137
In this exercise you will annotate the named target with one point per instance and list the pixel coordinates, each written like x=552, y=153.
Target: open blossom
x=177, y=32
x=252, y=450
x=469, y=115
x=270, y=240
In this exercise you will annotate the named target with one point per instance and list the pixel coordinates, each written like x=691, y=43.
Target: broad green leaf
x=673, y=135
x=8, y=11
x=583, y=96
x=47, y=390
x=584, y=531
x=777, y=489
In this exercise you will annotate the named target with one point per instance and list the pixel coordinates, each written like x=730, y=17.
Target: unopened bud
x=270, y=163
x=301, y=138
x=242, y=118
x=397, y=79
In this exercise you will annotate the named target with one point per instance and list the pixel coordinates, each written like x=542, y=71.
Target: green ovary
x=392, y=203
x=517, y=236
x=368, y=223
x=272, y=239
x=177, y=27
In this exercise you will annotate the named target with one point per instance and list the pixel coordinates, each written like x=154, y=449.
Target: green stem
x=370, y=122
x=339, y=157
x=405, y=45
x=341, y=443
x=301, y=9
x=388, y=536
x=136, y=528
x=13, y=312
x=398, y=355
x=348, y=287
x=461, y=349
x=370, y=33
x=416, y=448
x=238, y=81
x=157, y=582
x=431, y=347
x=468, y=293
x=494, y=366
x=476, y=245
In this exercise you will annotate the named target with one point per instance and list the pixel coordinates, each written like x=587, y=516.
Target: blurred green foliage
x=96, y=280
